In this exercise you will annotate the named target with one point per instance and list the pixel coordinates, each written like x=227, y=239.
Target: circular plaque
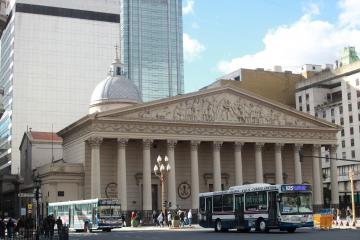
x=111, y=190
x=184, y=190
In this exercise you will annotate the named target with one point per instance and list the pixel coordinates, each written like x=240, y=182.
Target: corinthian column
x=278, y=163
x=238, y=164
x=217, y=165
x=95, y=166
x=194, y=174
x=121, y=172
x=171, y=177
x=316, y=175
x=258, y=162
x=297, y=164
x=334, y=176
x=147, y=200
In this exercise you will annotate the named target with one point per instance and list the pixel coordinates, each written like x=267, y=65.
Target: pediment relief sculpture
x=225, y=107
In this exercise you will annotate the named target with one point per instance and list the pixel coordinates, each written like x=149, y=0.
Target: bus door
x=272, y=209
x=239, y=211
x=208, y=211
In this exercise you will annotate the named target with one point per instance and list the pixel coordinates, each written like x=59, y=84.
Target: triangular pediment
x=224, y=105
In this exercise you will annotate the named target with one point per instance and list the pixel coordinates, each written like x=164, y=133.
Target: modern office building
x=53, y=54
x=152, y=46
x=334, y=95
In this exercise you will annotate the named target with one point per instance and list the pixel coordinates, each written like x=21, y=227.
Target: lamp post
x=37, y=185
x=161, y=169
x=351, y=176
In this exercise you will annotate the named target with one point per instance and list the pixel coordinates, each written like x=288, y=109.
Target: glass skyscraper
x=152, y=46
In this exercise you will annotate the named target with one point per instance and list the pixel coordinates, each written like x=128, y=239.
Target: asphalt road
x=199, y=234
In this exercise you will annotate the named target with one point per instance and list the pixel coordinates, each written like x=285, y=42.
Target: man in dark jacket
x=2, y=229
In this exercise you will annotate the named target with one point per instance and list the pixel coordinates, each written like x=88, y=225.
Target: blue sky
x=222, y=36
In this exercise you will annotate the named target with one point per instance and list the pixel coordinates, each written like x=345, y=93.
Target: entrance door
x=154, y=196
x=272, y=208
x=208, y=211
x=239, y=211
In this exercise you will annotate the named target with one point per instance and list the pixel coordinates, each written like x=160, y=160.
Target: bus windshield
x=109, y=211
x=296, y=203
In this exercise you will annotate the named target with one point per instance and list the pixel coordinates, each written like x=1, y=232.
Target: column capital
x=238, y=145
x=147, y=143
x=217, y=145
x=95, y=141
x=122, y=142
x=194, y=145
x=259, y=146
x=171, y=143
x=279, y=145
x=316, y=147
x=333, y=147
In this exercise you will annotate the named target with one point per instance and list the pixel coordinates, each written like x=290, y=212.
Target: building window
x=351, y=131
x=343, y=155
x=352, y=142
x=349, y=96
x=340, y=109
x=300, y=108
x=307, y=107
x=358, y=93
x=307, y=96
x=349, y=107
x=61, y=193
x=324, y=114
x=343, y=132
x=300, y=99
x=342, y=121
x=357, y=82
x=343, y=143
x=353, y=153
x=358, y=105
x=316, y=114
x=350, y=119
x=332, y=112
x=328, y=96
x=333, y=120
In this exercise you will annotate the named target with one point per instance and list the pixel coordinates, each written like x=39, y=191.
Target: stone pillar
x=317, y=179
x=297, y=164
x=194, y=174
x=95, y=143
x=217, y=165
x=171, y=177
x=334, y=177
x=147, y=198
x=258, y=162
x=121, y=172
x=278, y=164
x=238, y=164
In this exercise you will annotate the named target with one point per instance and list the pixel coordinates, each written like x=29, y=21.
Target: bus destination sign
x=293, y=188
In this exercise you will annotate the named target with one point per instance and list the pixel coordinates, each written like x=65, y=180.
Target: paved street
x=199, y=234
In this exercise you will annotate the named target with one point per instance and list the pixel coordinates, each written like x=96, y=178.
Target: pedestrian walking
x=160, y=219
x=51, y=226
x=189, y=216
x=46, y=227
x=169, y=217
x=2, y=228
x=59, y=225
x=338, y=214
x=10, y=228
x=182, y=218
x=154, y=218
x=348, y=214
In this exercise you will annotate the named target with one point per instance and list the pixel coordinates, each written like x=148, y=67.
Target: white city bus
x=92, y=214
x=261, y=206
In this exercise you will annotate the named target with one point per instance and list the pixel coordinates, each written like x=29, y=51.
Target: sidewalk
x=156, y=228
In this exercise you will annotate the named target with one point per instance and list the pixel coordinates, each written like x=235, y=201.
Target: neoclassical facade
x=214, y=138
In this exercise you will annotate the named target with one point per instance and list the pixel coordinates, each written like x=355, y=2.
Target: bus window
x=217, y=203
x=228, y=202
x=202, y=204
x=255, y=201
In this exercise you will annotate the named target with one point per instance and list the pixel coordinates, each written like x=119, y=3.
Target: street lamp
x=161, y=169
x=37, y=185
x=351, y=176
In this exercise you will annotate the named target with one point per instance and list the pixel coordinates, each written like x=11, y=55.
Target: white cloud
x=192, y=48
x=305, y=41
x=189, y=7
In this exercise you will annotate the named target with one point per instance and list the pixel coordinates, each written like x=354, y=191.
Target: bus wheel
x=218, y=226
x=291, y=230
x=261, y=226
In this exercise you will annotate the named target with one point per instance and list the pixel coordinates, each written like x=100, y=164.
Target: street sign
x=29, y=206
x=26, y=195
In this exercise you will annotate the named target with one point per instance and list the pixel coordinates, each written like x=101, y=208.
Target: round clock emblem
x=184, y=190
x=111, y=190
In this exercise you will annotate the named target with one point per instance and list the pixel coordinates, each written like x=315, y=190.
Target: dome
x=115, y=91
